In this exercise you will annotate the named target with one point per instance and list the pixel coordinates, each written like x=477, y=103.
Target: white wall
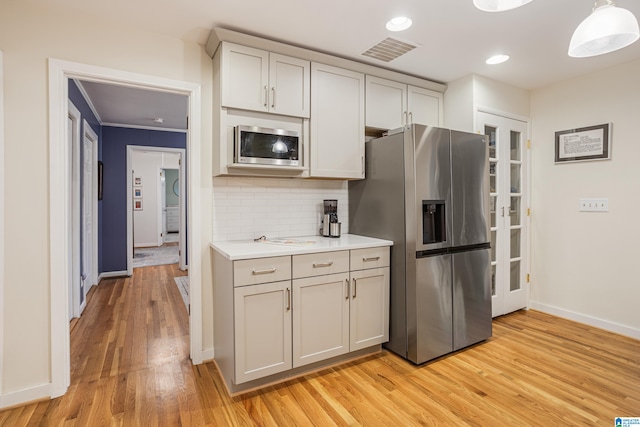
x=584, y=265
x=247, y=208
x=466, y=94
x=28, y=37
x=147, y=165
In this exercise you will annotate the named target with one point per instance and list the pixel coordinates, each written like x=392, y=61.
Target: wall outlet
x=593, y=205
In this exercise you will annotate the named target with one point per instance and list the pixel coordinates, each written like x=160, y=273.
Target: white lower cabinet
x=322, y=311
x=320, y=318
x=369, y=309
x=262, y=320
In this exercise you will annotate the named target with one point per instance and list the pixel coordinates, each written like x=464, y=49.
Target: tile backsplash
x=247, y=208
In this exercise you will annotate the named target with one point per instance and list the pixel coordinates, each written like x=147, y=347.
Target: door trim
x=59, y=73
x=183, y=237
x=76, y=117
x=88, y=133
x=2, y=223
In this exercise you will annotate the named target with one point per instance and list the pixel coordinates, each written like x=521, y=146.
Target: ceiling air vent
x=389, y=49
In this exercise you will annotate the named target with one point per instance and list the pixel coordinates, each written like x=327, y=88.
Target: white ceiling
x=454, y=37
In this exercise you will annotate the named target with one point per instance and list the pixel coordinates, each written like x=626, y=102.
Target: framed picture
x=137, y=193
x=137, y=181
x=137, y=205
x=587, y=143
x=100, y=172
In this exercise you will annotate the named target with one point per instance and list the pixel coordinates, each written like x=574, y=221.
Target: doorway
x=147, y=207
x=59, y=188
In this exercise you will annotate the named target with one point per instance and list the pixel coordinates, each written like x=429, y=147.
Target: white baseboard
x=207, y=355
x=26, y=395
x=588, y=320
x=108, y=274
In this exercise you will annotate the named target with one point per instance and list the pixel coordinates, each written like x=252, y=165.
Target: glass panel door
x=507, y=173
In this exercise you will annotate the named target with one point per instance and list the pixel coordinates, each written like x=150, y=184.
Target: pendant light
x=608, y=28
x=498, y=5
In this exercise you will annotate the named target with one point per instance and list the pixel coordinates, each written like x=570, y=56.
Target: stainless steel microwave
x=263, y=146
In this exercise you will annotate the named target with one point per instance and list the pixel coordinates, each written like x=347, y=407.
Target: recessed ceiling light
x=497, y=59
x=399, y=23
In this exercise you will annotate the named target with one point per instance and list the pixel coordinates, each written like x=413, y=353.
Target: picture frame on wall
x=137, y=181
x=100, y=172
x=583, y=144
x=137, y=193
x=137, y=205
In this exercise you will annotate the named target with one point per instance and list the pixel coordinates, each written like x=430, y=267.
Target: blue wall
x=113, y=240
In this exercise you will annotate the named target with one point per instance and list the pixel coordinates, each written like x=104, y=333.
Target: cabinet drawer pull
x=322, y=264
x=346, y=282
x=288, y=299
x=265, y=271
x=355, y=288
x=266, y=96
x=373, y=258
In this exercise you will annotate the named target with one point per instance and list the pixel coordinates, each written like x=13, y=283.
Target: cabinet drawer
x=261, y=270
x=320, y=263
x=173, y=213
x=369, y=258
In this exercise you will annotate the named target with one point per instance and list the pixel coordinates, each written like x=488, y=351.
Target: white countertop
x=246, y=249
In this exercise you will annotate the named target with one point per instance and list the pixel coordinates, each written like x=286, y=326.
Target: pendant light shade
x=608, y=28
x=498, y=5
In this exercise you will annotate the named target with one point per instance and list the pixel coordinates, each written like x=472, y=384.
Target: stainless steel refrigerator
x=427, y=189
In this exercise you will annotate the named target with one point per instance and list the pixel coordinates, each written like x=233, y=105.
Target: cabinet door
x=369, y=311
x=386, y=103
x=245, y=77
x=262, y=316
x=320, y=318
x=425, y=106
x=337, y=122
x=289, y=85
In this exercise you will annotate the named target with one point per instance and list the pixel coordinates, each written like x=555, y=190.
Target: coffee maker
x=330, y=224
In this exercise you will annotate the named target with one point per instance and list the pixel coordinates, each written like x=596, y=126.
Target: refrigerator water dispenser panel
x=433, y=221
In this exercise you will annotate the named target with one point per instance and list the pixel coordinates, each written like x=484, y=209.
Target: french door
x=508, y=170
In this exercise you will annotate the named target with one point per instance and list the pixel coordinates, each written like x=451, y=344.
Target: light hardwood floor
x=130, y=367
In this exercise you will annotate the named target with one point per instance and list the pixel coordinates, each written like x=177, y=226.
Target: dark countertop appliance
x=427, y=189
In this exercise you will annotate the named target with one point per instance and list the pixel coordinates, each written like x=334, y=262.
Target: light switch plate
x=593, y=205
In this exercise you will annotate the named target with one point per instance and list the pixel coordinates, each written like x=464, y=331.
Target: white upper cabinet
x=386, y=103
x=424, y=106
x=391, y=104
x=337, y=122
x=290, y=85
x=258, y=80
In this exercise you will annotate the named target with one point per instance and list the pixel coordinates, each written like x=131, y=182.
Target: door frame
x=89, y=134
x=526, y=199
x=59, y=73
x=75, y=263
x=2, y=270
x=183, y=238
